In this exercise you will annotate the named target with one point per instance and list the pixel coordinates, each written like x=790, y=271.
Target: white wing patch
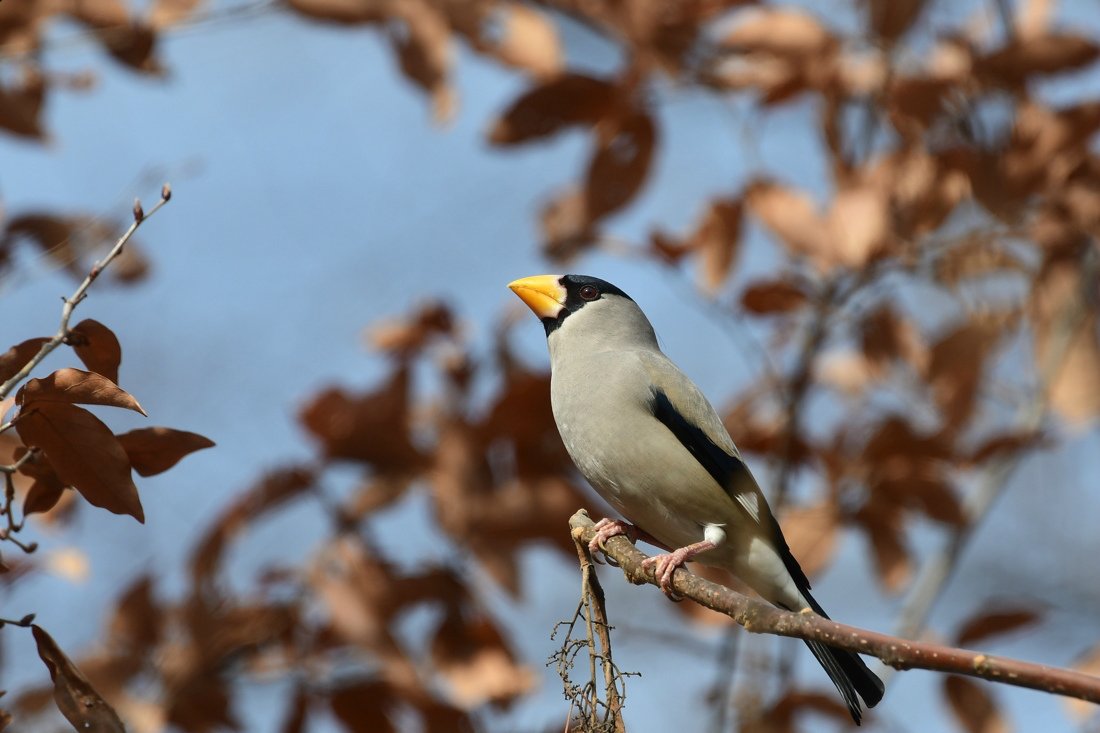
x=750, y=500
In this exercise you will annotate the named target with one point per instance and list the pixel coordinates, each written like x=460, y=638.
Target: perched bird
x=651, y=444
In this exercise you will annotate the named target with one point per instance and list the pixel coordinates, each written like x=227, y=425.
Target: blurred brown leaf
x=15, y=358
x=76, y=387
x=792, y=217
x=716, y=241
x=858, y=223
x=346, y=12
x=1051, y=53
x=983, y=625
x=780, y=717
x=890, y=19
x=885, y=527
x=271, y=492
x=137, y=622
x=78, y=701
x=295, y=720
x=407, y=336
x=372, y=428
x=154, y=450
x=472, y=657
x=570, y=99
x=956, y=367
x=973, y=707
x=976, y=256
x=886, y=336
x=21, y=103
x=422, y=42
x=365, y=707
x=165, y=13
x=620, y=164
x=566, y=225
x=85, y=454
x=811, y=532
x=527, y=40
x=773, y=296
x=96, y=346
x=42, y=497
x=778, y=31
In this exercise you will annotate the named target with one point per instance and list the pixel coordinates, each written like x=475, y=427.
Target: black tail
x=847, y=671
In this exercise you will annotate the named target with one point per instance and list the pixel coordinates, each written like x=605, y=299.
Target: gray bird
x=654, y=448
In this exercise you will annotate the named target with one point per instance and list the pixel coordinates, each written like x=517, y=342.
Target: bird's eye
x=589, y=292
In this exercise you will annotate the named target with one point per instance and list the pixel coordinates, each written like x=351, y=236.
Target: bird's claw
x=666, y=564
x=605, y=530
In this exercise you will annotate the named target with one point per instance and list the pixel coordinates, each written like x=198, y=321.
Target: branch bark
x=762, y=618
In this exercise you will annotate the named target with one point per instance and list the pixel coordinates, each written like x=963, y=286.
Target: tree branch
x=82, y=292
x=761, y=618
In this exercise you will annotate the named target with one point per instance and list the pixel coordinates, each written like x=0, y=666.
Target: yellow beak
x=543, y=294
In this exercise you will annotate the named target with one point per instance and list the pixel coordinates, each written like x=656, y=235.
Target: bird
x=648, y=441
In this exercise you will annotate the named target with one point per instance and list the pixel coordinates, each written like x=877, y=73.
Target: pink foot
x=667, y=562
x=608, y=528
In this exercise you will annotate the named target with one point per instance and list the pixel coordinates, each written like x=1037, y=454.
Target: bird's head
x=579, y=308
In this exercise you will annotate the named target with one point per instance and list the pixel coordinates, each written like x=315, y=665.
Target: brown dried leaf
x=886, y=336
x=976, y=256
x=347, y=12
x=1075, y=392
x=884, y=526
x=973, y=707
x=42, y=497
x=65, y=239
x=135, y=45
x=811, y=532
x=17, y=357
x=372, y=427
x=21, y=104
x=1050, y=53
x=566, y=226
x=848, y=371
x=76, y=387
x=154, y=450
x=984, y=625
x=96, y=346
x=365, y=707
x=717, y=241
x=792, y=217
x=780, y=32
x=477, y=665
x=136, y=624
x=620, y=164
x=423, y=51
x=1000, y=445
x=528, y=40
x=84, y=453
x=773, y=296
x=890, y=19
x=858, y=224
x=78, y=701
x=295, y=720
x=570, y=99
x=407, y=336
x=271, y=492
x=165, y=13
x=956, y=367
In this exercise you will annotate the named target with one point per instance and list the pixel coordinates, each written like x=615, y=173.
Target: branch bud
x=165, y=192
x=139, y=213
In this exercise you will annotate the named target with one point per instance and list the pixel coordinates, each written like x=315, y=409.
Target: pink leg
x=668, y=562
x=608, y=528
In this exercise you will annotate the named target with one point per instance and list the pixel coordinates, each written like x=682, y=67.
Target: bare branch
x=761, y=618
x=82, y=292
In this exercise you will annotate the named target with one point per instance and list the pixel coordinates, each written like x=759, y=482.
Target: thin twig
x=759, y=617
x=82, y=292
